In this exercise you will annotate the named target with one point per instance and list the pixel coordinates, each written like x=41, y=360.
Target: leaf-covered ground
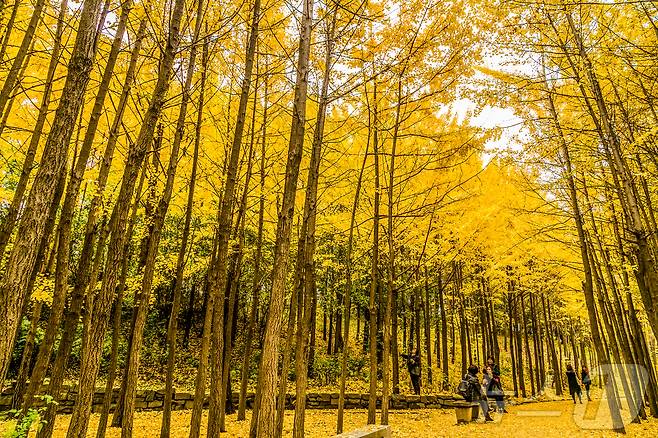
x=545, y=420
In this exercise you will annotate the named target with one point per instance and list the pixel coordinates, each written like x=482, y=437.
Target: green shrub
x=24, y=424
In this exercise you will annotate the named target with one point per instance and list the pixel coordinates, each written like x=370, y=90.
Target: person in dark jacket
x=586, y=379
x=574, y=384
x=494, y=367
x=476, y=394
x=491, y=385
x=413, y=365
x=495, y=391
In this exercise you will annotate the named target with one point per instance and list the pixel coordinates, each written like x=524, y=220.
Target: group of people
x=482, y=391
x=576, y=384
x=476, y=390
x=490, y=388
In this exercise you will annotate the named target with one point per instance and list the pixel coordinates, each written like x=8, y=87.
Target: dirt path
x=543, y=420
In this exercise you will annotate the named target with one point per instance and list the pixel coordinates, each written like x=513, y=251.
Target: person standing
x=495, y=369
x=574, y=384
x=587, y=380
x=493, y=389
x=413, y=365
x=487, y=380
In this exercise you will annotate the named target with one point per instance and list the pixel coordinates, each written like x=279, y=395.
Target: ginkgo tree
x=231, y=195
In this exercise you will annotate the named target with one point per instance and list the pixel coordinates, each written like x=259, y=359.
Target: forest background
x=244, y=194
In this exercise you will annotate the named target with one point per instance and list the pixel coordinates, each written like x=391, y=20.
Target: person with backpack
x=413, y=365
x=574, y=384
x=586, y=379
x=470, y=388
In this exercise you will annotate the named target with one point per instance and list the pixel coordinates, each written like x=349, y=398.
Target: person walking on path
x=574, y=384
x=587, y=380
x=475, y=393
x=413, y=365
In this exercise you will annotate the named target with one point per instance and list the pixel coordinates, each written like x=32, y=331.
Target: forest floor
x=557, y=419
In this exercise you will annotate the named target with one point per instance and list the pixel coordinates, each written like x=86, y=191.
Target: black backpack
x=465, y=389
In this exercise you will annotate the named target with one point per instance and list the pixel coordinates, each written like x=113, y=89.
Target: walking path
x=544, y=420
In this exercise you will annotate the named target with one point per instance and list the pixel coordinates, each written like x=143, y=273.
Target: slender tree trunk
x=539, y=378
x=172, y=328
x=374, y=272
x=518, y=343
x=94, y=335
x=444, y=332
x=154, y=241
x=348, y=292
x=308, y=233
x=257, y=276
x=267, y=375
x=527, y=345
x=588, y=287
x=32, y=224
x=232, y=286
x=390, y=341
x=219, y=269
x=513, y=350
x=426, y=324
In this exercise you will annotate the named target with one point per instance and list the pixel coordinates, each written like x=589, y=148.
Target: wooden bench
x=467, y=411
x=370, y=431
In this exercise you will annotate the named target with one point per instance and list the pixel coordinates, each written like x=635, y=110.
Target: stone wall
x=153, y=400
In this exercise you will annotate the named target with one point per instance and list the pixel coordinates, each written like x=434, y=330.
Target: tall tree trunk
x=32, y=224
x=154, y=241
x=426, y=324
x=102, y=302
x=374, y=271
x=588, y=286
x=390, y=341
x=444, y=332
x=232, y=285
x=218, y=277
x=267, y=373
x=66, y=215
x=172, y=327
x=513, y=350
x=527, y=345
x=308, y=233
x=348, y=291
x=257, y=276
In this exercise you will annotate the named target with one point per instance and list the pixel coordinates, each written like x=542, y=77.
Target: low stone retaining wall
x=153, y=400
